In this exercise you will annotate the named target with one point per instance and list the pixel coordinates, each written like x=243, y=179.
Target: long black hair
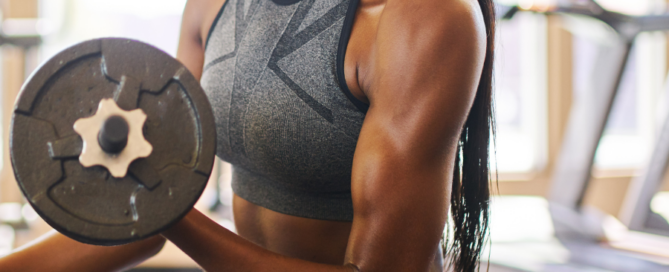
x=470, y=194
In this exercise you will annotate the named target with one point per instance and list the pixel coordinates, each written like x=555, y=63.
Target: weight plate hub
x=87, y=203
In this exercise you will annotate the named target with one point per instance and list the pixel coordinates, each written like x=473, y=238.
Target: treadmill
x=578, y=229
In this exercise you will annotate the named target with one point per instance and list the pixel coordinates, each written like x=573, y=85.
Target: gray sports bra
x=285, y=118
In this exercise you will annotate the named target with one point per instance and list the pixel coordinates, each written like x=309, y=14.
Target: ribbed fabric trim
x=285, y=2
x=273, y=195
x=341, y=54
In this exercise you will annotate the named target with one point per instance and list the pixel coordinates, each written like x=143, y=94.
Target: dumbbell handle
x=113, y=136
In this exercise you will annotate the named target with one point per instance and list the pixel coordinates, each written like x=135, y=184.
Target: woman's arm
x=215, y=248
x=195, y=23
x=424, y=71
x=427, y=62
x=56, y=252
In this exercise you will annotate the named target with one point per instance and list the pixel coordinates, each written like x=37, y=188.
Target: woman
x=343, y=121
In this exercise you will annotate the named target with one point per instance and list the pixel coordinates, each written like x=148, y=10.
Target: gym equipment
x=635, y=210
x=587, y=121
x=586, y=125
x=579, y=229
x=112, y=141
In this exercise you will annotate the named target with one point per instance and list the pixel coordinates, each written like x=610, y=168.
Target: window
x=156, y=22
x=520, y=93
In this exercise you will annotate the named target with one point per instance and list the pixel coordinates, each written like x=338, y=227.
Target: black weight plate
x=88, y=204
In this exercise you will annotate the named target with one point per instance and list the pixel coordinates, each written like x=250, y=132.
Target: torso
x=283, y=120
x=316, y=240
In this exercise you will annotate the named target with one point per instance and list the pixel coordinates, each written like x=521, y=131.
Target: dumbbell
x=112, y=141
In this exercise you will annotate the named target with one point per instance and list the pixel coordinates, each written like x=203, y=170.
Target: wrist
x=179, y=226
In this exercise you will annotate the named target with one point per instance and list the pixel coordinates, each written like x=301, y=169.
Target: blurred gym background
x=551, y=73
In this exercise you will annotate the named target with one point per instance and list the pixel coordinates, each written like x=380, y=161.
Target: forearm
x=215, y=248
x=56, y=252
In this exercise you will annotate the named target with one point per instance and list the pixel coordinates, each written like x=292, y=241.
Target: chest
x=275, y=78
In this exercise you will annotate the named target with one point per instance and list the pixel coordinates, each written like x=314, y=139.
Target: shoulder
x=198, y=16
x=439, y=20
x=444, y=10
x=427, y=45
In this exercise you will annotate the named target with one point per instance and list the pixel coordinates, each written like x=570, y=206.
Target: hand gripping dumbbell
x=112, y=141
